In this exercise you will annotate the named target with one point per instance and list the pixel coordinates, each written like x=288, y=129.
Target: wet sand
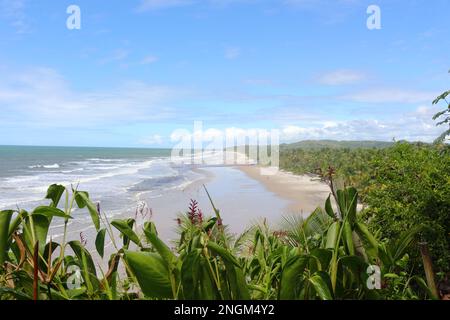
x=304, y=192
x=242, y=195
x=241, y=200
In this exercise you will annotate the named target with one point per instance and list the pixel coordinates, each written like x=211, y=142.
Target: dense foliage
x=329, y=255
x=403, y=186
x=409, y=187
x=352, y=166
x=334, y=144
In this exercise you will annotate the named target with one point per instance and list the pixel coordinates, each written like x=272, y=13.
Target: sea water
x=114, y=177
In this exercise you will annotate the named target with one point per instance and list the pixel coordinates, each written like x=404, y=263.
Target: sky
x=136, y=71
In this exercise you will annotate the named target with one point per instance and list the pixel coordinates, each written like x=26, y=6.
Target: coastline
x=304, y=192
x=241, y=193
x=241, y=200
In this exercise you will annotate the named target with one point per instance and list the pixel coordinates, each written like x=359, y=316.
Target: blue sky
x=138, y=70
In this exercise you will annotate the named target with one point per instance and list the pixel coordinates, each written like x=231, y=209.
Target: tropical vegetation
x=329, y=255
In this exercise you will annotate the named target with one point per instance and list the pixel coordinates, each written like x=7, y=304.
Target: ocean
x=114, y=177
x=121, y=180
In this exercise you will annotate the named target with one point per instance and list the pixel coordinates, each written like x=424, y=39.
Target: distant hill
x=334, y=144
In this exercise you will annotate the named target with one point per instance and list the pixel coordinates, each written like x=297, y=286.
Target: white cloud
x=152, y=140
x=14, y=12
x=117, y=55
x=341, y=77
x=227, y=135
x=423, y=110
x=416, y=126
x=42, y=97
x=391, y=96
x=232, y=53
x=149, y=59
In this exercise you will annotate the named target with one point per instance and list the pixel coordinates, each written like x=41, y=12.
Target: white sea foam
x=105, y=160
x=20, y=179
x=71, y=171
x=48, y=166
x=108, y=182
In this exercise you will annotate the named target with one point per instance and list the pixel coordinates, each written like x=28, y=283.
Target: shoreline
x=304, y=192
x=241, y=193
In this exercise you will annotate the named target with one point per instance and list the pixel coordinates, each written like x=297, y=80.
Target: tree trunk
x=428, y=266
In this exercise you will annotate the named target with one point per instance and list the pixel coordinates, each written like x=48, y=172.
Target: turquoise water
x=113, y=176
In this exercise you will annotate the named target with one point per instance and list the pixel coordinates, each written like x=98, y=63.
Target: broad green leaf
x=164, y=251
x=125, y=229
x=292, y=277
x=50, y=212
x=234, y=274
x=83, y=254
x=333, y=235
x=100, y=242
x=58, y=296
x=5, y=219
x=321, y=283
x=340, y=195
x=352, y=203
x=323, y=256
x=208, y=289
x=210, y=224
x=54, y=193
x=36, y=229
x=15, y=224
x=384, y=255
x=355, y=265
x=14, y=293
x=75, y=293
x=347, y=201
x=83, y=201
x=237, y=282
x=369, y=241
x=329, y=208
x=348, y=237
x=151, y=274
x=47, y=254
x=223, y=253
x=191, y=275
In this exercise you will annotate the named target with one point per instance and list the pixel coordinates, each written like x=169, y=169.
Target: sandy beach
x=242, y=195
x=241, y=200
x=304, y=192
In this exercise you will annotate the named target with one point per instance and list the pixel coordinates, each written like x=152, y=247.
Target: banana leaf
x=55, y=193
x=5, y=219
x=151, y=273
x=124, y=227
